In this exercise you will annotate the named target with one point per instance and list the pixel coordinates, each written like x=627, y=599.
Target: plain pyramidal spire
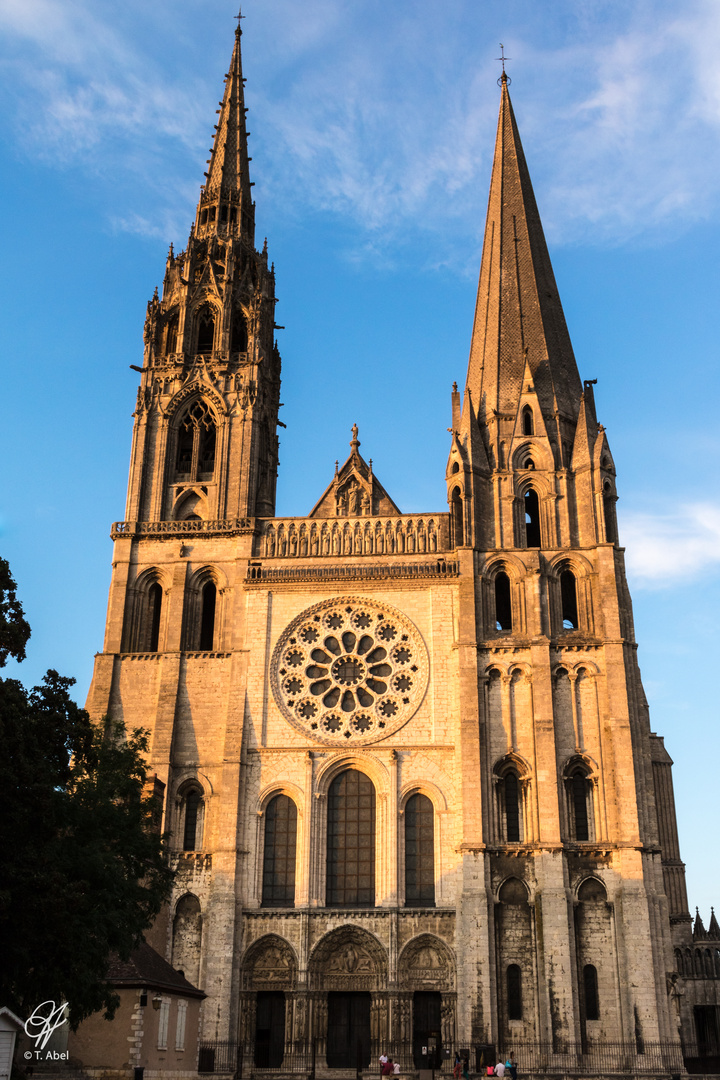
x=518, y=317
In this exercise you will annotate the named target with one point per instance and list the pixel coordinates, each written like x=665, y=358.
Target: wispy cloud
x=388, y=121
x=664, y=549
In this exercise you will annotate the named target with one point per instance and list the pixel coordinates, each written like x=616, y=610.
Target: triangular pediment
x=354, y=491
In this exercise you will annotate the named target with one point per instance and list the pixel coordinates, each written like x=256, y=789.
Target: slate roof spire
x=518, y=315
x=228, y=175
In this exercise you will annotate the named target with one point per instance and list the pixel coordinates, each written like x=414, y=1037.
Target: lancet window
x=532, y=519
x=568, y=599
x=456, y=509
x=197, y=434
x=192, y=814
x=238, y=332
x=351, y=841
x=579, y=799
x=503, y=602
x=419, y=852
x=278, y=882
x=205, y=329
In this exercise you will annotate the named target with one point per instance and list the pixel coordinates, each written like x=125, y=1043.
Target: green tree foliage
x=14, y=629
x=83, y=870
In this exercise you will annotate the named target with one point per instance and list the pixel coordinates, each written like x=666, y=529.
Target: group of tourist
x=508, y=1068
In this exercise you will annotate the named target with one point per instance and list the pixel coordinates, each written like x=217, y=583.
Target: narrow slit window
x=512, y=808
x=503, y=602
x=579, y=794
x=207, y=618
x=527, y=421
x=568, y=595
x=532, y=519
x=192, y=810
x=592, y=1000
x=457, y=518
x=609, y=514
x=514, y=992
x=154, y=612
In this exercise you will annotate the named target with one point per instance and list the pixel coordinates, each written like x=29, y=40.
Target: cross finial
x=502, y=58
x=239, y=16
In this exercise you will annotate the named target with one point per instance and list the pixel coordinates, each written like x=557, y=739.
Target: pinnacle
x=518, y=312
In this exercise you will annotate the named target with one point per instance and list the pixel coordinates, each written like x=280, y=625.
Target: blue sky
x=372, y=135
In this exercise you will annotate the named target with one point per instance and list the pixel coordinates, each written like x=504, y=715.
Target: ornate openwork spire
x=518, y=316
x=227, y=187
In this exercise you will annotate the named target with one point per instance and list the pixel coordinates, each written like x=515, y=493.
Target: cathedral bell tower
x=205, y=443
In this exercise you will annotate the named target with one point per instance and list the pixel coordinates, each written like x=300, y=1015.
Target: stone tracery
x=349, y=671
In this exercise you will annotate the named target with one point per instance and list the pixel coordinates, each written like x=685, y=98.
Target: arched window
x=154, y=610
x=192, y=824
x=568, y=599
x=205, y=329
x=503, y=602
x=527, y=421
x=187, y=938
x=514, y=992
x=458, y=526
x=196, y=442
x=609, y=513
x=532, y=519
x=419, y=852
x=172, y=334
x=511, y=792
x=207, y=616
x=238, y=332
x=590, y=986
x=578, y=799
x=351, y=841
x=278, y=883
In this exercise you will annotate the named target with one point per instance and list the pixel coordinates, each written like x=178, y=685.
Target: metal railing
x=531, y=1058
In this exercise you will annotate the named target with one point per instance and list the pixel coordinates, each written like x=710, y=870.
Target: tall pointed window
x=527, y=421
x=419, y=852
x=192, y=825
x=205, y=329
x=532, y=519
x=154, y=610
x=568, y=596
x=579, y=795
x=278, y=882
x=196, y=443
x=351, y=841
x=207, y=616
x=457, y=518
x=238, y=333
x=503, y=602
x=171, y=334
x=609, y=513
x=511, y=791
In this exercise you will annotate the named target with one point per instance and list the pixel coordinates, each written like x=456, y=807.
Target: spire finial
x=354, y=442
x=239, y=16
x=504, y=78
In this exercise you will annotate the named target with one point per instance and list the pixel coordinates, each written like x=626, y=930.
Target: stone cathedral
x=405, y=760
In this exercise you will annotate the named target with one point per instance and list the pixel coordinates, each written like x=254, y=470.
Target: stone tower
x=413, y=795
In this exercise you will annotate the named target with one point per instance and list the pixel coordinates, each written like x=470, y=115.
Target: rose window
x=349, y=671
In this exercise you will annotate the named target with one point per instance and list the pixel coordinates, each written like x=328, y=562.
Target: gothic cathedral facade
x=406, y=763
